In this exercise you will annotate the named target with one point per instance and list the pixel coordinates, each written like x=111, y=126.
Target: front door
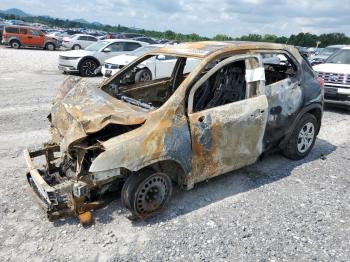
x=36, y=38
x=227, y=114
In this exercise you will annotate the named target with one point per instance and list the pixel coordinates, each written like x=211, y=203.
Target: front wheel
x=50, y=46
x=302, y=139
x=87, y=67
x=143, y=75
x=146, y=193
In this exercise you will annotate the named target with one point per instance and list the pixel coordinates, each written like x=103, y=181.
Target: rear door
x=227, y=111
x=24, y=36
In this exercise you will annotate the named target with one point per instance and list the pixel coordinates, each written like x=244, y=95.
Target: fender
x=157, y=140
x=304, y=110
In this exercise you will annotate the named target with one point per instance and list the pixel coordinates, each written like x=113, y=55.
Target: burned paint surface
x=231, y=138
x=204, y=144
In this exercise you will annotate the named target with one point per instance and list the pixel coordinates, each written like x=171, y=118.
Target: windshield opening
x=340, y=57
x=96, y=46
x=150, y=82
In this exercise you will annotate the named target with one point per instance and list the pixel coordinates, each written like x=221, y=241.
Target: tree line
x=301, y=39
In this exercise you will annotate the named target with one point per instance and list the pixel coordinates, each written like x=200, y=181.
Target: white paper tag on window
x=256, y=74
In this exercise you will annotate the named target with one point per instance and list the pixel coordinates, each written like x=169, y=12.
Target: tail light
x=320, y=81
x=4, y=35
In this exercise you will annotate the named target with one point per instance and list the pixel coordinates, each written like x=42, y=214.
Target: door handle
x=30, y=37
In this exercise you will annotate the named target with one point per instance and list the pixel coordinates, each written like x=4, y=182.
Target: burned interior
x=145, y=93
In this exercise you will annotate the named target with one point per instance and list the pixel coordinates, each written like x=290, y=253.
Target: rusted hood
x=86, y=109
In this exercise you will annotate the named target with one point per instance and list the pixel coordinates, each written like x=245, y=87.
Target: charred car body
x=184, y=128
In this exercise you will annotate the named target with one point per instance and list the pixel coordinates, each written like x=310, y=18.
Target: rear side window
x=23, y=31
x=278, y=67
x=130, y=46
x=82, y=38
x=116, y=47
x=90, y=38
x=13, y=30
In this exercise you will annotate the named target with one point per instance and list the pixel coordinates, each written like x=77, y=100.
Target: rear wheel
x=302, y=139
x=76, y=47
x=15, y=44
x=50, y=46
x=87, y=67
x=146, y=193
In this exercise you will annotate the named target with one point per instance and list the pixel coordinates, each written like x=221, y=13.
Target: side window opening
x=227, y=85
x=14, y=30
x=146, y=84
x=116, y=47
x=278, y=67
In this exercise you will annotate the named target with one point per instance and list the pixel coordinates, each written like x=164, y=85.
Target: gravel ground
x=274, y=210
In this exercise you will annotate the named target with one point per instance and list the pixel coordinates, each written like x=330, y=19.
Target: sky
x=205, y=17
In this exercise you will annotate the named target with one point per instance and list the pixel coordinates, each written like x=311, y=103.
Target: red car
x=17, y=36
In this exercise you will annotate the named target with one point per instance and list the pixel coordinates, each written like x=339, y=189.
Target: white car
x=78, y=41
x=155, y=67
x=57, y=35
x=86, y=62
x=336, y=75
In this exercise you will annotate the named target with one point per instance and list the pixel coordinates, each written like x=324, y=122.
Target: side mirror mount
x=107, y=50
x=160, y=57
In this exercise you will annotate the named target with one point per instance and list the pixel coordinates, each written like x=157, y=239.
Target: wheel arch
x=88, y=57
x=169, y=166
x=316, y=109
x=14, y=39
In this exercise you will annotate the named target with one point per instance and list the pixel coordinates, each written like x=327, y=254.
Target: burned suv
x=141, y=138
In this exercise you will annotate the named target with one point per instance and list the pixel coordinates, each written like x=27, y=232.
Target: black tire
x=76, y=47
x=87, y=67
x=15, y=44
x=50, y=46
x=143, y=75
x=146, y=193
x=302, y=138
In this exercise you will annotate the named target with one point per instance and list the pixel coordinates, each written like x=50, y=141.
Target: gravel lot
x=274, y=210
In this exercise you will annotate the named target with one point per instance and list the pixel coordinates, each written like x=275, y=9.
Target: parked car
x=86, y=62
x=146, y=39
x=185, y=128
x=324, y=54
x=336, y=75
x=56, y=35
x=2, y=26
x=154, y=68
x=129, y=35
x=78, y=41
x=17, y=36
